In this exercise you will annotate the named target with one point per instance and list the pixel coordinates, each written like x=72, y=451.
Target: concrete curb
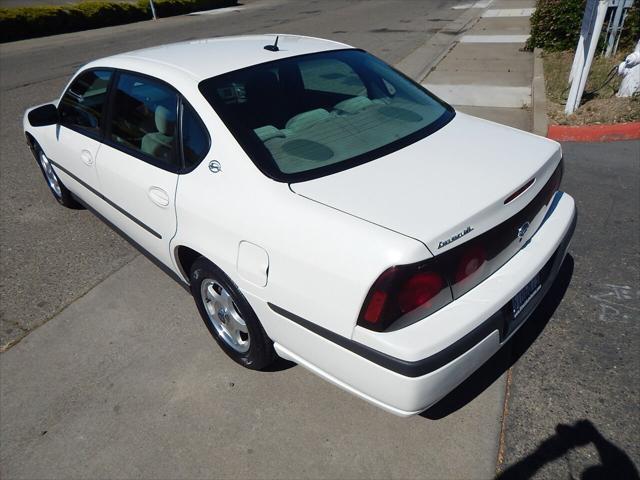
x=595, y=133
x=413, y=64
x=539, y=96
x=571, y=133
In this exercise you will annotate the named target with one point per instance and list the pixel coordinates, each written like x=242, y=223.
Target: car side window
x=82, y=104
x=333, y=76
x=195, y=140
x=144, y=119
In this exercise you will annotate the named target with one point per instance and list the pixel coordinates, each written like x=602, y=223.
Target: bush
x=555, y=25
x=28, y=22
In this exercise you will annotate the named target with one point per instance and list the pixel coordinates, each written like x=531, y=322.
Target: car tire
x=57, y=188
x=229, y=317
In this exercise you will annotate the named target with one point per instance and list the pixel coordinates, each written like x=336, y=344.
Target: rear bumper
x=392, y=370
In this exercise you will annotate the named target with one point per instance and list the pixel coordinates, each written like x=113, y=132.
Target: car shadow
x=614, y=462
x=279, y=365
x=509, y=354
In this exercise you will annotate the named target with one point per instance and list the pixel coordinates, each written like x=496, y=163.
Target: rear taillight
x=553, y=184
x=471, y=261
x=407, y=293
x=404, y=294
x=419, y=290
x=557, y=175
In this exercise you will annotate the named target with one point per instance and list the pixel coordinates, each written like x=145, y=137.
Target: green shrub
x=28, y=22
x=555, y=25
x=631, y=29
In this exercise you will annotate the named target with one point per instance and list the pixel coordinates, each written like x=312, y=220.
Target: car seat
x=160, y=144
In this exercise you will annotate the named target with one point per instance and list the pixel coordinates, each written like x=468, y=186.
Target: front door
x=76, y=145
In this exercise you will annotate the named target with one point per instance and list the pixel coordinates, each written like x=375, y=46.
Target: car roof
x=214, y=56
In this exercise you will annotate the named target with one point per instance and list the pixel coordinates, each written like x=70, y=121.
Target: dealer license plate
x=525, y=295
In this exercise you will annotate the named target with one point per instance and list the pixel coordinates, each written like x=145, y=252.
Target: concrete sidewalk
x=126, y=382
x=487, y=74
x=575, y=394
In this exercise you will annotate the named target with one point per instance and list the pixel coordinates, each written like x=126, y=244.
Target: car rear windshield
x=312, y=115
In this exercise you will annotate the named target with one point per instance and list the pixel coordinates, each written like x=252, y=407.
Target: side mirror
x=44, y=115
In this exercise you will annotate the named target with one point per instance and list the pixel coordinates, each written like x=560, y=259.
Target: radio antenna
x=274, y=47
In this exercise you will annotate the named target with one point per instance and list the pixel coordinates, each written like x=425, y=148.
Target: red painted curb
x=594, y=133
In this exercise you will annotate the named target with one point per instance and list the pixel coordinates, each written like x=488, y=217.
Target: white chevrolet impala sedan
x=320, y=205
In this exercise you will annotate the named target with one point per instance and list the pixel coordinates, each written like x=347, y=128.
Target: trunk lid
x=444, y=189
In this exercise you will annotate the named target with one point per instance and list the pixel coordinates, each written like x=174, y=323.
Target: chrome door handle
x=159, y=196
x=86, y=157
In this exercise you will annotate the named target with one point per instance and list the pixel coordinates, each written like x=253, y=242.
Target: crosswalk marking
x=482, y=95
x=479, y=4
x=508, y=12
x=494, y=38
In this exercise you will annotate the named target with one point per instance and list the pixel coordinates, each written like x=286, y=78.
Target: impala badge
x=523, y=230
x=457, y=236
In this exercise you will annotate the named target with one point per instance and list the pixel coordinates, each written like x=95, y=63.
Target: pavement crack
x=505, y=414
x=13, y=342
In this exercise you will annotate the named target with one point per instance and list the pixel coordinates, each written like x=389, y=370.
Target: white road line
x=463, y=6
x=494, y=38
x=482, y=95
x=218, y=11
x=508, y=12
x=482, y=4
x=466, y=6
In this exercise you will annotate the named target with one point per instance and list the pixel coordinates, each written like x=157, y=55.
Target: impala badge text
x=457, y=236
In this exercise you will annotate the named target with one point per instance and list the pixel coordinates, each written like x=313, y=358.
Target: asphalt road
x=52, y=256
x=574, y=402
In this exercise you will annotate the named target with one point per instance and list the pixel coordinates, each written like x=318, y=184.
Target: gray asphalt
x=52, y=256
x=574, y=403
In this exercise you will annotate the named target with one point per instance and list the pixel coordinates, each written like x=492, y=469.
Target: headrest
x=165, y=120
x=268, y=132
x=353, y=105
x=307, y=119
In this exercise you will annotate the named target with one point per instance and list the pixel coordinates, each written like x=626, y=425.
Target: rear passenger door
x=140, y=160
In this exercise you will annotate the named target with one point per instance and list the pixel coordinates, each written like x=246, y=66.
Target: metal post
x=616, y=22
x=624, y=16
x=614, y=25
x=153, y=9
x=594, y=14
